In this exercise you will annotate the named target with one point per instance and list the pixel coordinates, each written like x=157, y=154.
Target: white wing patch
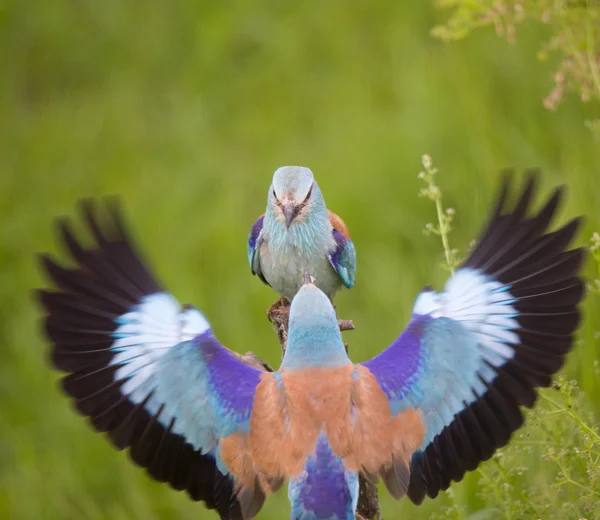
x=144, y=335
x=482, y=305
x=468, y=354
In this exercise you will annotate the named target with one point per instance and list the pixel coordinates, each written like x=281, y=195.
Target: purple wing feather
x=343, y=258
x=340, y=243
x=397, y=365
x=255, y=231
x=253, y=244
x=232, y=381
x=205, y=391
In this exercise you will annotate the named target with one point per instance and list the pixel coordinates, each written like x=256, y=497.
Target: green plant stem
x=507, y=478
x=569, y=480
x=443, y=232
x=574, y=416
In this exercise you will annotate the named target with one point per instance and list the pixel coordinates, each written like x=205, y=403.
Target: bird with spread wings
x=427, y=409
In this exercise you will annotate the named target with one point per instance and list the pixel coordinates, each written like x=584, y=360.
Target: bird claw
x=279, y=306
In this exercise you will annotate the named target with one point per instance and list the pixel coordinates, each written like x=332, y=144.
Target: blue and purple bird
x=430, y=407
x=298, y=232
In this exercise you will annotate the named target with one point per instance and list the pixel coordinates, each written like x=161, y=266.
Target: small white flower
x=426, y=161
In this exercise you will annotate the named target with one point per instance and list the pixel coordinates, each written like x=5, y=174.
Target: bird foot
x=280, y=305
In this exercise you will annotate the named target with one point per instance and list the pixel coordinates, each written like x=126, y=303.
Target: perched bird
x=296, y=232
x=430, y=407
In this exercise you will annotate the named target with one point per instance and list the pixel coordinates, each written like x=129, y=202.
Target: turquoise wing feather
x=343, y=259
x=170, y=361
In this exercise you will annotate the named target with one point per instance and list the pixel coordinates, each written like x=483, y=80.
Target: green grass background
x=185, y=109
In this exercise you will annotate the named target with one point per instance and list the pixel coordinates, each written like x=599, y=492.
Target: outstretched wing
x=343, y=257
x=145, y=370
x=254, y=239
x=473, y=354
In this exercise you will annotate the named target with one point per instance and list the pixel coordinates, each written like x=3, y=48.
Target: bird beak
x=289, y=214
x=308, y=279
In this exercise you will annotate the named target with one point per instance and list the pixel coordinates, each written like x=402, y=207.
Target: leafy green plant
x=551, y=467
x=575, y=38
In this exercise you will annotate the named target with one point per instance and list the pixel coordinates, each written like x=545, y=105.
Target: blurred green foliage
x=185, y=109
x=575, y=39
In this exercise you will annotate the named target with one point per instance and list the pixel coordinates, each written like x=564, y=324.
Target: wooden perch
x=279, y=314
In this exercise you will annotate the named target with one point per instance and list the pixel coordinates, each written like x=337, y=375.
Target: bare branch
x=368, y=501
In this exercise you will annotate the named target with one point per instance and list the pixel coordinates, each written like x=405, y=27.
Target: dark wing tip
x=113, y=202
x=511, y=237
x=50, y=267
x=571, y=228
x=522, y=205
x=41, y=298
x=105, y=218
x=44, y=260
x=115, y=207
x=507, y=176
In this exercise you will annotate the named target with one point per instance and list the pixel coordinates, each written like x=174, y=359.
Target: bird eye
x=308, y=195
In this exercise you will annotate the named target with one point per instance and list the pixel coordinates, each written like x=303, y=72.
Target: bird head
x=293, y=193
x=314, y=337
x=312, y=305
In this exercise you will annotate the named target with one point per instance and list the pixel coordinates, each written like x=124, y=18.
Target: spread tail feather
x=325, y=489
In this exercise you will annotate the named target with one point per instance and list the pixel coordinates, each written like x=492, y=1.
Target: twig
x=368, y=501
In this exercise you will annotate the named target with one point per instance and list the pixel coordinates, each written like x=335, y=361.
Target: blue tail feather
x=325, y=490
